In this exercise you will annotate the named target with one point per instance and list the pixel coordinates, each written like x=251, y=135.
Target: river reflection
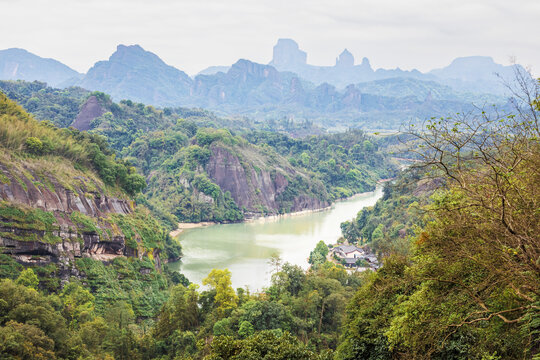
x=245, y=248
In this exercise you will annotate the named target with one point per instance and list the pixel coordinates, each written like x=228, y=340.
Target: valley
x=279, y=210
x=245, y=249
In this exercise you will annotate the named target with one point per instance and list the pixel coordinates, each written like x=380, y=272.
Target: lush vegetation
x=20, y=133
x=172, y=147
x=389, y=226
x=346, y=163
x=459, y=236
x=325, y=168
x=127, y=310
x=468, y=289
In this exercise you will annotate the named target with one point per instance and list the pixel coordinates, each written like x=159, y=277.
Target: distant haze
x=192, y=35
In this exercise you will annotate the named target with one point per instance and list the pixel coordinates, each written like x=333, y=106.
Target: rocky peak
x=287, y=55
x=365, y=63
x=345, y=59
x=134, y=54
x=139, y=75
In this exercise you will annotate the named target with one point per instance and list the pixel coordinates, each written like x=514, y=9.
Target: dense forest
x=457, y=234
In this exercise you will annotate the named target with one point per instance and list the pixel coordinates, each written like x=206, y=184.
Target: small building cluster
x=352, y=256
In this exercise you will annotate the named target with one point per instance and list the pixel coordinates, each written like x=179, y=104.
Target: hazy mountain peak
x=470, y=67
x=19, y=64
x=135, y=54
x=476, y=60
x=247, y=67
x=287, y=54
x=365, y=62
x=135, y=47
x=134, y=73
x=345, y=59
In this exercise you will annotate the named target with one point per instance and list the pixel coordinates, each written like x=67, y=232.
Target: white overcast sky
x=194, y=34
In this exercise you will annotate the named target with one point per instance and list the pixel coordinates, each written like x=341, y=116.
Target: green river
x=245, y=248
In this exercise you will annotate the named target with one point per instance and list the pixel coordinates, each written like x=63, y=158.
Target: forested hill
x=66, y=205
x=197, y=170
x=460, y=237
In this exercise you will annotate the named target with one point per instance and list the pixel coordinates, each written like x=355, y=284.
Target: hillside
x=459, y=241
x=198, y=171
x=66, y=202
x=205, y=174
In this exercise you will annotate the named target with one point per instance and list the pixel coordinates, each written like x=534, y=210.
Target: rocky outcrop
x=23, y=188
x=90, y=110
x=254, y=188
x=44, y=221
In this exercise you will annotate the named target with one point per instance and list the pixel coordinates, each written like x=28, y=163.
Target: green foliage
x=468, y=287
x=35, y=224
x=245, y=329
x=346, y=163
x=28, y=278
x=387, y=226
x=204, y=185
x=179, y=313
x=263, y=345
x=85, y=224
x=123, y=280
x=141, y=229
x=78, y=304
x=19, y=130
x=34, y=145
x=318, y=255
x=225, y=298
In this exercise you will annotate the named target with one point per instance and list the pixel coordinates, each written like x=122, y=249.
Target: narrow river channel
x=245, y=248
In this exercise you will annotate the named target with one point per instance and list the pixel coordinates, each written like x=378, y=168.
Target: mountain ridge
x=342, y=95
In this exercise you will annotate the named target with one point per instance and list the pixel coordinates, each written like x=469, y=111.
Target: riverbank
x=269, y=218
x=244, y=248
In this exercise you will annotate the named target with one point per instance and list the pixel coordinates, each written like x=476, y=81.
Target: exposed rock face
x=254, y=189
x=90, y=110
x=287, y=55
x=29, y=189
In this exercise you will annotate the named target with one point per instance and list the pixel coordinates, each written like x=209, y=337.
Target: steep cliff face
x=51, y=212
x=259, y=188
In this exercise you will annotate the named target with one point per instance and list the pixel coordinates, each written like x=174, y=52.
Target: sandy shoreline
x=184, y=226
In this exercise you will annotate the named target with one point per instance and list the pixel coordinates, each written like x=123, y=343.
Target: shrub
x=34, y=145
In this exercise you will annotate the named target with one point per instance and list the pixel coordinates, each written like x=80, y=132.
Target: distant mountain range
x=479, y=74
x=345, y=94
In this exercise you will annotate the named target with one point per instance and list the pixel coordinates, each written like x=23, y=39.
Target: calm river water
x=245, y=248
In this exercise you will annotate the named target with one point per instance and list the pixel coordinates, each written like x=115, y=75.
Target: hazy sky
x=194, y=34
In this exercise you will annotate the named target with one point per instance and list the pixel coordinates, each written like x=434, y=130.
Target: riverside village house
x=351, y=255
